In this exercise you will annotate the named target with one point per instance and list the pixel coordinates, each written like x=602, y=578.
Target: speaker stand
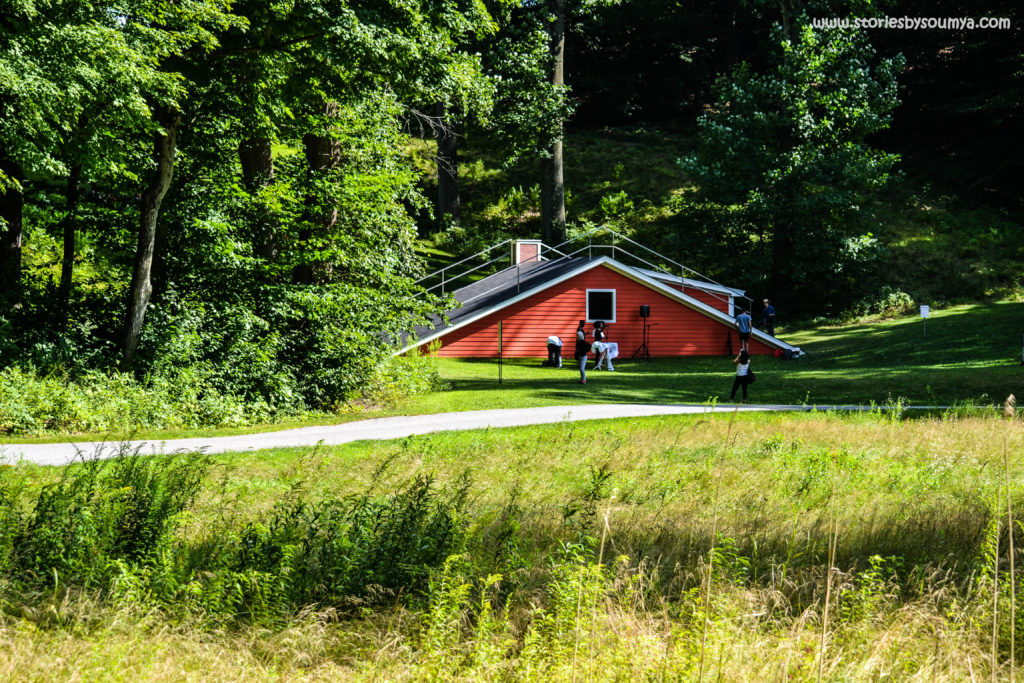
x=643, y=351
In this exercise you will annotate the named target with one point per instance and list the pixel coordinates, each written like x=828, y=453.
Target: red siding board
x=675, y=330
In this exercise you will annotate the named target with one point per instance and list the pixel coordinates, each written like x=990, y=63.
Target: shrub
x=887, y=302
x=98, y=515
x=406, y=375
x=31, y=403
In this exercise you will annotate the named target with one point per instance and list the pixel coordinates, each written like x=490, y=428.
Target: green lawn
x=970, y=354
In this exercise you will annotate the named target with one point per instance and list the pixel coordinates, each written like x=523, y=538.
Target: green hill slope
x=934, y=248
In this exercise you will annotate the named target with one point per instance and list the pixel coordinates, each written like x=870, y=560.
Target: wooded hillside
x=229, y=196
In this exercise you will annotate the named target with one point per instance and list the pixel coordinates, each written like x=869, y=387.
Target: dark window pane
x=601, y=305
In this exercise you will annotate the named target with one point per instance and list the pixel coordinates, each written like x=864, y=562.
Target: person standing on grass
x=582, y=349
x=743, y=324
x=743, y=374
x=601, y=346
x=768, y=317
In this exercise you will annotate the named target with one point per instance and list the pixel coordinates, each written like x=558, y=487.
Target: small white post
x=925, y=312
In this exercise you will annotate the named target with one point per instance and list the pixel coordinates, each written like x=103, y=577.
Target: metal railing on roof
x=684, y=272
x=560, y=253
x=444, y=271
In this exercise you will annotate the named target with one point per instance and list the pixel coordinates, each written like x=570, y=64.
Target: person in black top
x=582, y=349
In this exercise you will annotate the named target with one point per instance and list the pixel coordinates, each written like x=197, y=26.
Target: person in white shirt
x=601, y=347
x=555, y=351
x=743, y=374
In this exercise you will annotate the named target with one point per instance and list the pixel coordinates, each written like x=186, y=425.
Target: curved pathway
x=383, y=428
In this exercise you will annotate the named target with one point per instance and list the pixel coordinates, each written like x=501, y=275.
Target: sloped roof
x=486, y=294
x=514, y=284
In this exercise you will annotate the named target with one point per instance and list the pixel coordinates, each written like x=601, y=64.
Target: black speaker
x=645, y=311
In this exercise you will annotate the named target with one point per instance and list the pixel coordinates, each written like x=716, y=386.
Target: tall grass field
x=736, y=548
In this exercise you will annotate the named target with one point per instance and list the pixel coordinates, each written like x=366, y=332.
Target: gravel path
x=382, y=428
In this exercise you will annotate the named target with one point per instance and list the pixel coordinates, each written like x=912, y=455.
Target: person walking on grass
x=582, y=349
x=743, y=325
x=743, y=374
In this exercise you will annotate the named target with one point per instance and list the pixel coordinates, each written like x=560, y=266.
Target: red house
x=547, y=292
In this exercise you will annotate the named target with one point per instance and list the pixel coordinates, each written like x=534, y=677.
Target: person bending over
x=555, y=351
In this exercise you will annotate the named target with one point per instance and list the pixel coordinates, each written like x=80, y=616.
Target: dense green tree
x=309, y=239
x=785, y=154
x=30, y=107
x=173, y=32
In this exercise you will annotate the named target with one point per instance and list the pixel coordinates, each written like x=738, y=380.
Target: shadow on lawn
x=960, y=334
x=696, y=380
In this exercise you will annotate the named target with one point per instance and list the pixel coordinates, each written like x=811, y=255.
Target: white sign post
x=925, y=312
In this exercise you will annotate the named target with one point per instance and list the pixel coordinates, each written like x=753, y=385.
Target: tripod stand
x=644, y=352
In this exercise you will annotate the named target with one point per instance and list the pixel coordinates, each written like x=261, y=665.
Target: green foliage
x=115, y=402
x=784, y=159
x=886, y=303
x=278, y=283
x=616, y=206
x=98, y=517
x=115, y=526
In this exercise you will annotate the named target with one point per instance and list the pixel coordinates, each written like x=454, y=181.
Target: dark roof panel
x=499, y=288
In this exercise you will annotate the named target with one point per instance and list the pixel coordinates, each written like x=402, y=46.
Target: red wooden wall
x=675, y=330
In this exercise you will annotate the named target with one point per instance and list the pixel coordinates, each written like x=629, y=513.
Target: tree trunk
x=67, y=268
x=257, y=160
x=11, y=209
x=322, y=154
x=552, y=211
x=448, y=200
x=141, y=288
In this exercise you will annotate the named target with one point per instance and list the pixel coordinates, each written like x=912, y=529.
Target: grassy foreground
x=617, y=550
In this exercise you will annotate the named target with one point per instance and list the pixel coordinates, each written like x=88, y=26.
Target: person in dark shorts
x=744, y=323
x=554, y=351
x=742, y=363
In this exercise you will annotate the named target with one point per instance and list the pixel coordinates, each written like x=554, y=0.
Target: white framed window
x=601, y=305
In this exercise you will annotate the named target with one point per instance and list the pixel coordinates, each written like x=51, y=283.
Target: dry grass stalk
x=833, y=537
x=1008, y=412
x=711, y=552
x=995, y=596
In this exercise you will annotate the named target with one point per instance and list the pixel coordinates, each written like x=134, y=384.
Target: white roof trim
x=689, y=282
x=622, y=269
